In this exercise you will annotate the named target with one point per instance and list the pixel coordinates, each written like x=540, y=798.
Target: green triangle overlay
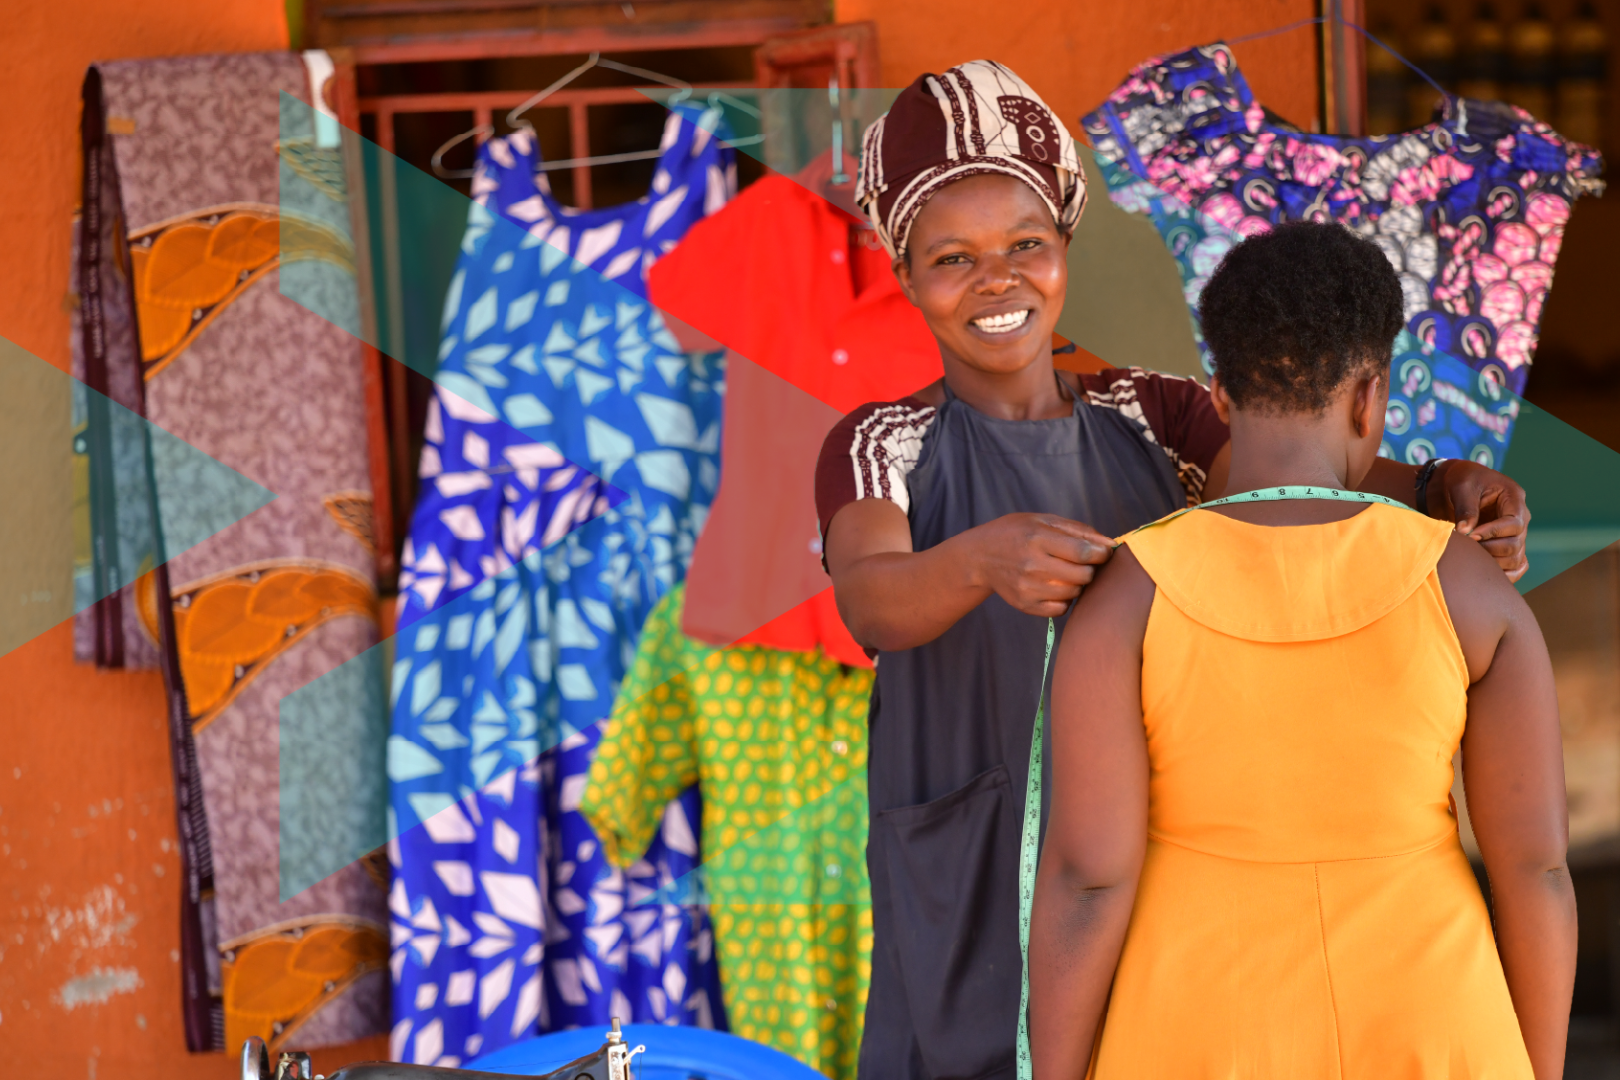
x=49, y=533
x=334, y=731
x=336, y=745
x=1573, y=486
x=197, y=496
x=334, y=770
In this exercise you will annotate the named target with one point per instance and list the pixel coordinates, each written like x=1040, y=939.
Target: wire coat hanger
x=484, y=130
x=1362, y=30
x=437, y=161
x=514, y=119
x=594, y=61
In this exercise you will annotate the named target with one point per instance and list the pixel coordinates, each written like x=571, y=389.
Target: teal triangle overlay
x=1121, y=278
x=787, y=128
x=334, y=779
x=1573, y=486
x=338, y=756
x=317, y=263
x=416, y=226
x=63, y=508
x=197, y=496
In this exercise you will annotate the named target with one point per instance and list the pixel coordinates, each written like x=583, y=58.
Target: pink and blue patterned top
x=1470, y=209
x=572, y=452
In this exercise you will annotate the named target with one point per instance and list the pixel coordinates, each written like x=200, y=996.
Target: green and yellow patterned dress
x=778, y=742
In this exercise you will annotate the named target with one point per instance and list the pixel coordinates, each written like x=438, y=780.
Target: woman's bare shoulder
x=1481, y=601
x=1112, y=612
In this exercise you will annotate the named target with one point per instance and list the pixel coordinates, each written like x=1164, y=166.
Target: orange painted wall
x=1073, y=52
x=88, y=866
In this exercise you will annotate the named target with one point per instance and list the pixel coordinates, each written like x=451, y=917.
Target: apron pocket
x=952, y=868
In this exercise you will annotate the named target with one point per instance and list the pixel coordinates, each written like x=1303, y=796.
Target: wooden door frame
x=1342, y=66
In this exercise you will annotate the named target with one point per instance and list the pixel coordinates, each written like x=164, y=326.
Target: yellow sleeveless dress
x=1305, y=910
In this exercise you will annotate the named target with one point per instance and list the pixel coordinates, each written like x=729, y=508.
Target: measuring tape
x=1030, y=841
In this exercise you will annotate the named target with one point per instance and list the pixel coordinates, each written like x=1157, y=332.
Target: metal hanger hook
x=667, y=80
x=512, y=117
x=437, y=161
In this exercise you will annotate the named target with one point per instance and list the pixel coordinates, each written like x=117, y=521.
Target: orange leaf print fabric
x=274, y=983
x=190, y=268
x=229, y=628
x=188, y=215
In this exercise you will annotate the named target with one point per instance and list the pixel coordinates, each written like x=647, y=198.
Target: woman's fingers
x=1041, y=562
x=1057, y=571
x=1504, y=547
x=1484, y=502
x=1502, y=529
x=1076, y=541
x=1046, y=609
x=1049, y=590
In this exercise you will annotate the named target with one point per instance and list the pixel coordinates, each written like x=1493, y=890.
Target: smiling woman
x=953, y=524
x=957, y=520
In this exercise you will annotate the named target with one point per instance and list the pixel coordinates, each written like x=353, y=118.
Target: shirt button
x=839, y=746
x=840, y=356
x=833, y=869
x=838, y=256
x=815, y=546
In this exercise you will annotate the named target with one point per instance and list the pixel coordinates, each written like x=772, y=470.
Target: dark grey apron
x=950, y=740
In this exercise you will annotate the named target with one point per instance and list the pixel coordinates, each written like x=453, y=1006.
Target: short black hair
x=1290, y=314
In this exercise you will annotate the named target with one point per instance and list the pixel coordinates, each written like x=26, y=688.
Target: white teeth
x=1001, y=324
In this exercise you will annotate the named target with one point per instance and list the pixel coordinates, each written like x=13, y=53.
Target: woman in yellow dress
x=1252, y=867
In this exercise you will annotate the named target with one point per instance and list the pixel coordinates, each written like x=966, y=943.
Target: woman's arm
x=1513, y=773
x=894, y=598
x=1097, y=834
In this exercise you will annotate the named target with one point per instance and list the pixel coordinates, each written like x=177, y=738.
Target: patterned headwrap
x=976, y=118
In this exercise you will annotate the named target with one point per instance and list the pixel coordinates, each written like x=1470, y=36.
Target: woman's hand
x=1038, y=563
x=1487, y=507
x=893, y=598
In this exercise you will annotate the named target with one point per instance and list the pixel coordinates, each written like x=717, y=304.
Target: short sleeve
x=1175, y=413
x=868, y=455
x=648, y=752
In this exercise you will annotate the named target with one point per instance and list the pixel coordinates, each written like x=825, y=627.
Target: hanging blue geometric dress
x=572, y=452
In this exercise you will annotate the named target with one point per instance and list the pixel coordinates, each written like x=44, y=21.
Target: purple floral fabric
x=1470, y=208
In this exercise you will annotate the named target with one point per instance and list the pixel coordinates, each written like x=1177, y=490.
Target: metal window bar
x=483, y=105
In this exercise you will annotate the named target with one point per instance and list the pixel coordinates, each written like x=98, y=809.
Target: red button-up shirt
x=795, y=286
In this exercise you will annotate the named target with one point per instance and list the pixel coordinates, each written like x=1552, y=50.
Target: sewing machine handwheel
x=255, y=1059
